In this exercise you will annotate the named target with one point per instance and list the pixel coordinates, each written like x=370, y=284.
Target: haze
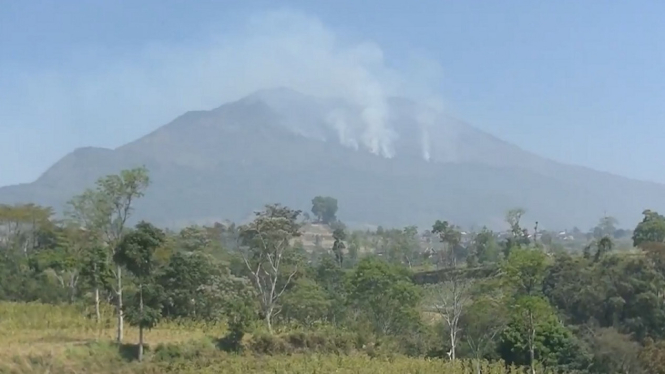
x=578, y=82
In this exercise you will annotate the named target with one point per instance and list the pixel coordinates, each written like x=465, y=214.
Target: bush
x=305, y=342
x=189, y=351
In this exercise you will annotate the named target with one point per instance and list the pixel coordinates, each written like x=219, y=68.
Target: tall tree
x=268, y=255
x=97, y=273
x=524, y=271
x=452, y=295
x=136, y=252
x=325, y=208
x=105, y=210
x=450, y=300
x=519, y=236
x=605, y=227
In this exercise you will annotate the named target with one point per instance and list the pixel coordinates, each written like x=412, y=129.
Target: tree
x=451, y=296
x=483, y=321
x=519, y=236
x=61, y=260
x=305, y=303
x=513, y=218
x=384, y=296
x=614, y=352
x=269, y=256
x=21, y=226
x=484, y=247
x=605, y=228
x=194, y=238
x=190, y=282
x=136, y=252
x=650, y=230
x=105, y=210
x=325, y=209
x=534, y=334
x=450, y=299
x=399, y=246
x=97, y=273
x=604, y=246
x=338, y=246
x=330, y=276
x=239, y=308
x=524, y=271
x=570, y=285
x=451, y=236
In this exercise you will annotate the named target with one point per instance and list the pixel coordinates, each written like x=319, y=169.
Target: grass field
x=37, y=338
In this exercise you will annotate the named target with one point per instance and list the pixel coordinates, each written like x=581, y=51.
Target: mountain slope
x=282, y=146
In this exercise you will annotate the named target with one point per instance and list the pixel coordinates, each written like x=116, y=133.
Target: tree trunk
x=532, y=359
x=269, y=320
x=532, y=343
x=72, y=288
x=452, y=343
x=119, y=335
x=140, y=343
x=141, y=323
x=98, y=316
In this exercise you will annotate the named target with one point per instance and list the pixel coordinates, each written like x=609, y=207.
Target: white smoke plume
x=102, y=99
x=338, y=120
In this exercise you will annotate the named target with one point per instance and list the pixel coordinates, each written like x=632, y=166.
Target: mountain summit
x=388, y=162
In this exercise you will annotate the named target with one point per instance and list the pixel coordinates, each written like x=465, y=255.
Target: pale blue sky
x=578, y=81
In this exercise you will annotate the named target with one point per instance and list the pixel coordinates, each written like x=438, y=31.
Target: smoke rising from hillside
x=105, y=99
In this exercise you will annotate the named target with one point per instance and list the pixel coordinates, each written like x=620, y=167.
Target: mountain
x=389, y=162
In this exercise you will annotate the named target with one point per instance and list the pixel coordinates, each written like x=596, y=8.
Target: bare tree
x=449, y=299
x=452, y=295
x=268, y=255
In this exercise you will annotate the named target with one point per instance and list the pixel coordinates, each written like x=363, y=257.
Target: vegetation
x=260, y=298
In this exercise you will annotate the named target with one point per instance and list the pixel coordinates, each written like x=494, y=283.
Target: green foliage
x=190, y=282
x=143, y=307
x=325, y=209
x=306, y=303
x=554, y=345
x=136, y=252
x=385, y=296
x=524, y=271
x=194, y=238
x=96, y=269
x=484, y=247
x=650, y=230
x=596, y=313
x=105, y=209
x=137, y=249
x=613, y=352
x=271, y=261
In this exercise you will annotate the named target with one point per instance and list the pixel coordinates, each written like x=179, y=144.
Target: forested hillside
x=299, y=292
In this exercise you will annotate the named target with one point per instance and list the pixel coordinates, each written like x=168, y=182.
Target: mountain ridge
x=284, y=146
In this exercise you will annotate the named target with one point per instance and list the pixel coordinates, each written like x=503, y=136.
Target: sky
x=577, y=81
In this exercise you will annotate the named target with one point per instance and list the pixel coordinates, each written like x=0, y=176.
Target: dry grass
x=37, y=338
x=38, y=329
